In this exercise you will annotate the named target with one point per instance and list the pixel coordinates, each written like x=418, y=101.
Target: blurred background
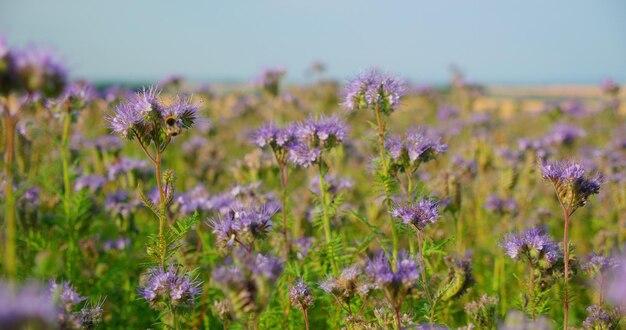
x=533, y=42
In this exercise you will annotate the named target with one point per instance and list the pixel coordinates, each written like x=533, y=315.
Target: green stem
x=566, y=260
x=383, y=159
x=67, y=192
x=325, y=218
x=9, y=209
x=159, y=178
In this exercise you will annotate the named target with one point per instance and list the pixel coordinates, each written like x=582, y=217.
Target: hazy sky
x=494, y=41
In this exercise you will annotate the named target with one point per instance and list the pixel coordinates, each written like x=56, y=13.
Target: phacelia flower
x=395, y=283
x=615, y=286
x=26, y=307
x=482, y=312
x=273, y=136
x=145, y=116
x=300, y=296
x=351, y=283
x=373, y=90
x=244, y=225
x=92, y=183
x=600, y=319
x=169, y=287
x=248, y=283
x=565, y=134
x=67, y=294
x=38, y=71
x=533, y=245
x=417, y=147
x=497, y=204
x=572, y=186
x=325, y=132
x=418, y=214
x=301, y=155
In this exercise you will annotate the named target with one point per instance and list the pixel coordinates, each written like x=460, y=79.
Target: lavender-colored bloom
x=248, y=284
x=125, y=165
x=418, y=214
x=565, y=134
x=599, y=264
x=120, y=203
x=38, y=71
x=31, y=198
x=572, y=186
x=170, y=287
x=181, y=114
x=194, y=144
x=26, y=307
x=301, y=155
x=499, y=205
x=350, y=283
x=119, y=244
x=243, y=225
x=598, y=318
x=372, y=90
x=270, y=135
x=106, y=143
x=66, y=293
x=615, y=286
x=447, y=112
x=419, y=146
x=395, y=283
x=333, y=184
x=534, y=245
x=325, y=132
x=302, y=246
x=92, y=183
x=90, y=315
x=197, y=199
x=300, y=295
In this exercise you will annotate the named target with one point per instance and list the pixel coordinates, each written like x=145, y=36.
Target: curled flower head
x=36, y=70
x=459, y=278
x=373, y=90
x=171, y=287
x=66, y=294
x=325, y=132
x=534, y=245
x=572, y=186
x=418, y=214
x=300, y=154
x=598, y=264
x=300, y=295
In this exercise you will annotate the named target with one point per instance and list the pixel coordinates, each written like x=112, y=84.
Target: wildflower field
x=370, y=203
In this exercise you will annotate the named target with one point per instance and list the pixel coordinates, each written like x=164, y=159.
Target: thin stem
x=532, y=293
x=325, y=218
x=306, y=318
x=422, y=262
x=9, y=209
x=67, y=197
x=398, y=321
x=566, y=259
x=381, y=147
x=282, y=169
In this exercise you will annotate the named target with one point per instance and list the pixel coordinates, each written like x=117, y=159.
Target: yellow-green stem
x=9, y=208
x=325, y=219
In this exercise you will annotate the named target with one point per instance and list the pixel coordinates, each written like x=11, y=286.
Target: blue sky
x=493, y=41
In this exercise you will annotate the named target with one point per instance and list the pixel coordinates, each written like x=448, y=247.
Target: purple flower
x=300, y=295
x=270, y=80
x=395, y=283
x=106, y=143
x=181, y=114
x=120, y=203
x=119, y=244
x=372, y=90
x=26, y=307
x=31, y=198
x=349, y=284
x=615, y=287
x=270, y=135
x=197, y=199
x=534, y=245
x=334, y=184
x=67, y=294
x=499, y=205
x=244, y=225
x=301, y=155
x=92, y=183
x=598, y=318
x=170, y=287
x=38, y=71
x=125, y=165
x=447, y=112
x=572, y=186
x=325, y=132
x=599, y=264
x=565, y=134
x=418, y=214
x=419, y=146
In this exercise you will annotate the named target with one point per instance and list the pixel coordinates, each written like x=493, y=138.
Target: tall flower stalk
x=153, y=124
x=381, y=94
x=23, y=75
x=573, y=188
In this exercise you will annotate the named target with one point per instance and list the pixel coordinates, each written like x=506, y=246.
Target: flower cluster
x=349, y=284
x=248, y=283
x=418, y=214
x=397, y=282
x=31, y=71
x=572, y=186
x=26, y=307
x=315, y=136
x=300, y=296
x=374, y=90
x=599, y=319
x=146, y=116
x=244, y=225
x=417, y=147
x=273, y=136
x=497, y=204
x=533, y=245
x=169, y=287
